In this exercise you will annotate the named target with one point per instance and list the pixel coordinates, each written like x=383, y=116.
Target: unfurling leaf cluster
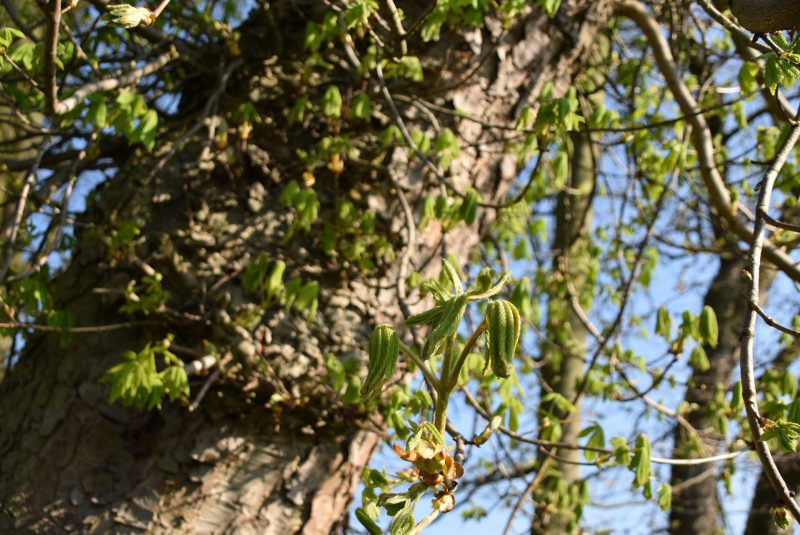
x=384, y=347
x=433, y=467
x=137, y=381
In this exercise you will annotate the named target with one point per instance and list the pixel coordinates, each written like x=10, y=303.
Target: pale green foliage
x=150, y=298
x=708, y=329
x=129, y=16
x=137, y=381
x=640, y=464
x=266, y=279
x=784, y=433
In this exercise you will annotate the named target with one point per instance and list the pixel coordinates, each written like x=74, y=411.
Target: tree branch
x=746, y=358
x=50, y=49
x=109, y=84
x=702, y=139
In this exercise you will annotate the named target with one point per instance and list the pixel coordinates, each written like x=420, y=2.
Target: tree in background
x=311, y=228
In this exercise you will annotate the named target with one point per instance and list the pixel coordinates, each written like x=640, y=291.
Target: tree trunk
x=271, y=448
x=565, y=349
x=695, y=504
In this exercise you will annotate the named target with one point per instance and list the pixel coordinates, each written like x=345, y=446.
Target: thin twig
x=771, y=221
x=46, y=249
x=16, y=325
x=19, y=69
x=746, y=358
x=566, y=445
x=50, y=50
x=157, y=11
x=109, y=84
x=204, y=390
x=427, y=521
x=397, y=25
x=23, y=200
x=772, y=323
x=528, y=491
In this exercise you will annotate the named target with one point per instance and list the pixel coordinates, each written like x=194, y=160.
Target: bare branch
x=50, y=50
x=109, y=84
x=746, y=364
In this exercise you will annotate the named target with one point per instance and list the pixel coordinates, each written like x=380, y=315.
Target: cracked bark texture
x=270, y=450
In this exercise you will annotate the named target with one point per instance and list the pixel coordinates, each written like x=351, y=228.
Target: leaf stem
x=464, y=354
x=419, y=363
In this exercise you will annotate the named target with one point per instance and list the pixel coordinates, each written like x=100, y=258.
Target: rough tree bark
x=270, y=449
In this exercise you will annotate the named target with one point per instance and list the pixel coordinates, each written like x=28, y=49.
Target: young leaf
x=424, y=318
x=737, y=402
x=709, y=330
x=502, y=335
x=665, y=496
x=451, y=316
x=641, y=461
x=332, y=102
x=699, y=359
x=622, y=452
x=781, y=516
x=368, y=523
x=384, y=346
x=663, y=323
x=452, y=276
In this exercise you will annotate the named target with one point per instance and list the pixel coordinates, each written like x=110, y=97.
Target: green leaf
x=403, y=523
x=748, y=77
x=622, y=452
x=786, y=434
x=298, y=111
x=665, y=497
x=384, y=347
x=699, y=359
x=332, y=102
x=640, y=463
x=452, y=276
x=447, y=325
x=502, y=335
x=525, y=119
x=794, y=411
x=424, y=318
x=360, y=108
x=368, y=523
x=411, y=68
x=550, y=6
x=709, y=330
x=7, y=36
x=773, y=74
x=737, y=402
x=98, y=112
x=146, y=131
x=781, y=516
x=664, y=323
x=597, y=439
x=307, y=299
x=559, y=402
x=469, y=206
